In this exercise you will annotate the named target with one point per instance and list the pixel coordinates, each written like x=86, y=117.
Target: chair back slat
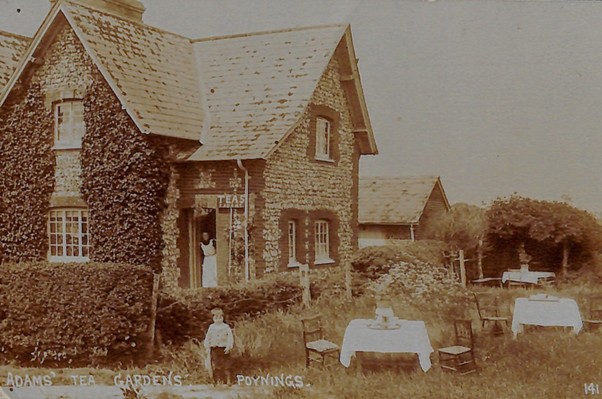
x=487, y=304
x=463, y=329
x=312, y=328
x=595, y=307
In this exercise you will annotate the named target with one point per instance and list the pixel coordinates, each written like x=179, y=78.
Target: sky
x=496, y=97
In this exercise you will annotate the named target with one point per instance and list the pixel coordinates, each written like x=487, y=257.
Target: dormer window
x=323, y=127
x=69, y=124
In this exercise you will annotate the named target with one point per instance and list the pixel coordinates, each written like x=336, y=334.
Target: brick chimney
x=129, y=9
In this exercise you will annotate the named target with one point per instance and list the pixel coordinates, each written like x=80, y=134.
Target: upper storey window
x=323, y=133
x=69, y=124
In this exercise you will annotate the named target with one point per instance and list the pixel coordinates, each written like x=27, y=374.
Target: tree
x=463, y=227
x=516, y=220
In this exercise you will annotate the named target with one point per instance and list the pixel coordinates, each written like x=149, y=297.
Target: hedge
x=187, y=316
x=73, y=313
x=26, y=176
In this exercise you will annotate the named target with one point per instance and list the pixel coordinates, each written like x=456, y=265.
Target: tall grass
x=546, y=363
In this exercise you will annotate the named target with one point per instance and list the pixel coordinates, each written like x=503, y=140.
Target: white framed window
x=323, y=127
x=68, y=235
x=69, y=124
x=292, y=243
x=322, y=236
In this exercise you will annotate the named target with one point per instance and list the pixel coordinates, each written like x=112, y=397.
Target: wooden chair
x=546, y=281
x=314, y=342
x=594, y=317
x=460, y=358
x=489, y=312
x=519, y=284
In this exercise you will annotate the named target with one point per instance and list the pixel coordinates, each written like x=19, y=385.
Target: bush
x=188, y=315
x=411, y=272
x=66, y=313
x=425, y=286
x=375, y=261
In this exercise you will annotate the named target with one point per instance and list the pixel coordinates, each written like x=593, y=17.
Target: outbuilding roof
x=12, y=48
x=395, y=200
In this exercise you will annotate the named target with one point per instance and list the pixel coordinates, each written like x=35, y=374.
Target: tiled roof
x=154, y=71
x=12, y=47
x=394, y=200
x=258, y=85
x=240, y=95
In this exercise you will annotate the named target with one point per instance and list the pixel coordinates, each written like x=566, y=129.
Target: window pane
x=322, y=137
x=322, y=239
x=69, y=122
x=292, y=238
x=68, y=233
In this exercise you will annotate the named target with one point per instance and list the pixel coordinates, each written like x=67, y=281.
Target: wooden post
x=153, y=319
x=462, y=267
x=480, y=258
x=304, y=277
x=565, y=258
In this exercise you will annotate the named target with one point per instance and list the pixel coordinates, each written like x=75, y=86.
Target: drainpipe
x=412, y=232
x=241, y=167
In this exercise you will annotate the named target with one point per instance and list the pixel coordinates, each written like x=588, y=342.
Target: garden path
x=113, y=392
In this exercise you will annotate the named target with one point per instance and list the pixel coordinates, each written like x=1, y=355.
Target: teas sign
x=231, y=201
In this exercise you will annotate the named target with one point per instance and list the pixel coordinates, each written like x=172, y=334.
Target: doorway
x=205, y=222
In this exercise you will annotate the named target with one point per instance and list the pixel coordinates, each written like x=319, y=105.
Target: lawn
x=545, y=363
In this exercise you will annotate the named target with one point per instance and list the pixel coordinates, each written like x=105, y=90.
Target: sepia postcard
x=300, y=199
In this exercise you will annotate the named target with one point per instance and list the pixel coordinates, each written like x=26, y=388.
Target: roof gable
x=395, y=200
x=240, y=95
x=12, y=48
x=257, y=86
x=152, y=72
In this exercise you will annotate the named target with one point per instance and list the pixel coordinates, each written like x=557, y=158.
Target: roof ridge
x=15, y=35
x=142, y=24
x=401, y=177
x=267, y=32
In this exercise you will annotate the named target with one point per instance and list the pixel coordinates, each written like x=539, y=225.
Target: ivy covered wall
x=125, y=176
x=124, y=173
x=26, y=176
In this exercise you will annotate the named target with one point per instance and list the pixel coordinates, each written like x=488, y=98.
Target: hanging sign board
x=231, y=201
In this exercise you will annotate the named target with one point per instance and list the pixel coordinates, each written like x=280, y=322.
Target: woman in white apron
x=209, y=275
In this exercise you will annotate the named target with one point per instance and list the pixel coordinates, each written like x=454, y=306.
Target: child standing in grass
x=219, y=342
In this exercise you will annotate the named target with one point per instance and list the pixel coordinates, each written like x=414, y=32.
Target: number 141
x=591, y=389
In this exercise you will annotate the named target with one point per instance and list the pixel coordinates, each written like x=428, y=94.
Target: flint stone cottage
x=398, y=208
x=123, y=142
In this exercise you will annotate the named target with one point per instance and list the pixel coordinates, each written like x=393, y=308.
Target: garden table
x=525, y=276
x=562, y=312
x=411, y=337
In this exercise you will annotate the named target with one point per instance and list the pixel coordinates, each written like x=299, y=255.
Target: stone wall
x=66, y=72
x=170, y=231
x=294, y=180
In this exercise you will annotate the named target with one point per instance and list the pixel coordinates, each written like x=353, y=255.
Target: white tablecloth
x=526, y=277
x=411, y=337
x=564, y=312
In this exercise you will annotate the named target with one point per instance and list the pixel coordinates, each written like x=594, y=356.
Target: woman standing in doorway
x=208, y=246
